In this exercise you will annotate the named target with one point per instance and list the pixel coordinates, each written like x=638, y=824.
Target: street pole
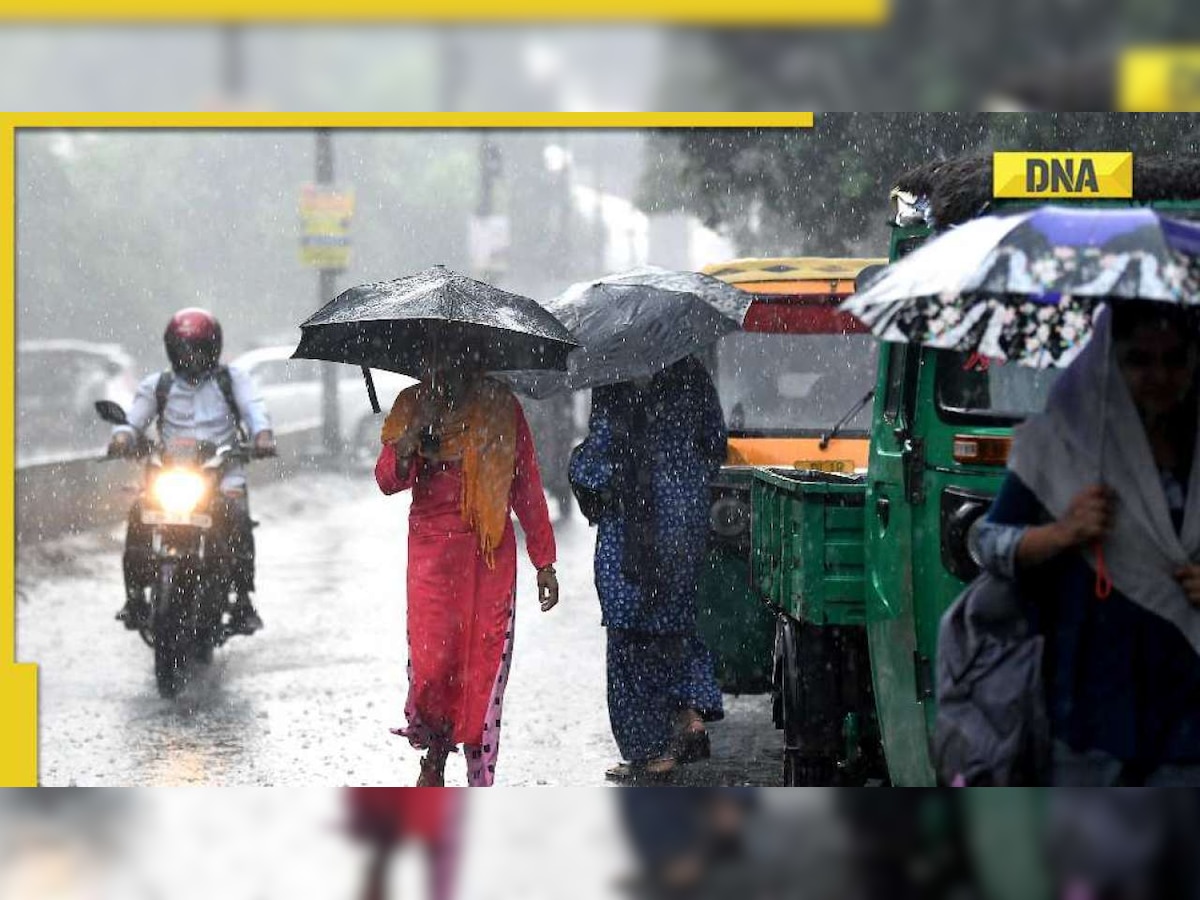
x=451, y=62
x=489, y=170
x=331, y=432
x=233, y=63
x=566, y=207
x=600, y=235
x=487, y=176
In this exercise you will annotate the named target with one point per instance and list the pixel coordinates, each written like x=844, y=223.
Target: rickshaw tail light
x=178, y=490
x=981, y=451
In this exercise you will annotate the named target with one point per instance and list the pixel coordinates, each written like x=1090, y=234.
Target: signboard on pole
x=489, y=244
x=325, y=214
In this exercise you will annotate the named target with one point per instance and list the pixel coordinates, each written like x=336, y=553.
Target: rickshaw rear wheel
x=806, y=703
x=801, y=771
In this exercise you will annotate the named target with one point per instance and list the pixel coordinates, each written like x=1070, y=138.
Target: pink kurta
x=460, y=611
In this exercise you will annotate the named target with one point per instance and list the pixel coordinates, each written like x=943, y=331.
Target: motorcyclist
x=197, y=399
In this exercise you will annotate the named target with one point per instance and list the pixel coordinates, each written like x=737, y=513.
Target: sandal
x=692, y=742
x=660, y=769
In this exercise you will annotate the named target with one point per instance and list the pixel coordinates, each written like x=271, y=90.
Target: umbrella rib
x=569, y=341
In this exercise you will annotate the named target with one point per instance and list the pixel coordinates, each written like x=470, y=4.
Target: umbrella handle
x=371, y=395
x=1104, y=584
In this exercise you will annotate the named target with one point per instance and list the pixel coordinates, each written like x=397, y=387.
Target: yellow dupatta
x=481, y=434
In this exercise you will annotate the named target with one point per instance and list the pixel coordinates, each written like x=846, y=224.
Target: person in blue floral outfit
x=642, y=477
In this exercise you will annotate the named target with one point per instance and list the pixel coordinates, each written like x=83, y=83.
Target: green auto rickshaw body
x=794, y=331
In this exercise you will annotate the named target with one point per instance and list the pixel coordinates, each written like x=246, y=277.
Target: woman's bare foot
x=660, y=767
x=654, y=770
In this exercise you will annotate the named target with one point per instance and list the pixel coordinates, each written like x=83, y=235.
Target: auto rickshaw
x=794, y=385
x=862, y=567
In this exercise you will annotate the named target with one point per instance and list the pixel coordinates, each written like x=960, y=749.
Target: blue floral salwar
x=656, y=663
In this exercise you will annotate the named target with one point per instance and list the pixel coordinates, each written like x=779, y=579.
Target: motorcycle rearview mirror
x=111, y=412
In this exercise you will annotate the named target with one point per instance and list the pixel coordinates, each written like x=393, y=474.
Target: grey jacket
x=992, y=725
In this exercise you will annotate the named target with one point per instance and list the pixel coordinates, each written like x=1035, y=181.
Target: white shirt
x=198, y=411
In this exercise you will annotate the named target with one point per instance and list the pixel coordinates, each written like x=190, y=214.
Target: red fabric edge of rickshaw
x=800, y=318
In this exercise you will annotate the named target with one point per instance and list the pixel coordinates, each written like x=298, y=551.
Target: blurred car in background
x=58, y=384
x=292, y=390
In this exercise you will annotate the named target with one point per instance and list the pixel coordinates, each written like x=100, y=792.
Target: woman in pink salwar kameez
x=465, y=450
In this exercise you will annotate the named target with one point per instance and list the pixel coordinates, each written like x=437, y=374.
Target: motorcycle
x=190, y=592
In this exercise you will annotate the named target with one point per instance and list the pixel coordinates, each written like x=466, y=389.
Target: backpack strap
x=225, y=383
x=162, y=390
x=224, y=380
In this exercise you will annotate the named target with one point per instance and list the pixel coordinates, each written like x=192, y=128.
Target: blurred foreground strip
x=1028, y=844
x=596, y=844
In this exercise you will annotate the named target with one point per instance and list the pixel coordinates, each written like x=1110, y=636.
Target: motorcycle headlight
x=179, y=491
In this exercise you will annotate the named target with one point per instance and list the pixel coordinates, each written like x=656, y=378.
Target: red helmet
x=193, y=341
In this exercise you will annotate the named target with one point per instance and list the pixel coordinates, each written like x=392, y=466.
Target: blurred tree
x=824, y=190
x=820, y=190
x=119, y=229
x=88, y=264
x=930, y=55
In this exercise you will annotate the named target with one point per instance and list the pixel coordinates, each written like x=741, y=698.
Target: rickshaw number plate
x=196, y=520
x=840, y=466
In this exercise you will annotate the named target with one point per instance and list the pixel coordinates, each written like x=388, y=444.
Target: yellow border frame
x=18, y=683
x=432, y=120
x=749, y=12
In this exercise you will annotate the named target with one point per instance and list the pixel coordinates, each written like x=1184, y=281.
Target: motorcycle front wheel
x=169, y=643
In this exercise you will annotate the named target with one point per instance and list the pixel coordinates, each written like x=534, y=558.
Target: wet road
x=309, y=701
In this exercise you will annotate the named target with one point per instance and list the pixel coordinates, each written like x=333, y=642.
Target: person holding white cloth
x=1105, y=485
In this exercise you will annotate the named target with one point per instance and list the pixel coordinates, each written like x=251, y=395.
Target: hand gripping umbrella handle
x=1104, y=583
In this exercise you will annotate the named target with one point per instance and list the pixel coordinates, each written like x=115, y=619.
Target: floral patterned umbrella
x=1025, y=288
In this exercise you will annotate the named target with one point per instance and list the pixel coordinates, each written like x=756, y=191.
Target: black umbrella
x=401, y=325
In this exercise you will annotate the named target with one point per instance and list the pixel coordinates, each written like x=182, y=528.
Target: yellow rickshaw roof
x=789, y=268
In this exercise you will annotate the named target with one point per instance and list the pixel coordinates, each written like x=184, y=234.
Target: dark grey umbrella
x=399, y=325
x=636, y=324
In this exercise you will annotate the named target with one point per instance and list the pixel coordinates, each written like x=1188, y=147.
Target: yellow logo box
x=1159, y=79
x=1062, y=175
